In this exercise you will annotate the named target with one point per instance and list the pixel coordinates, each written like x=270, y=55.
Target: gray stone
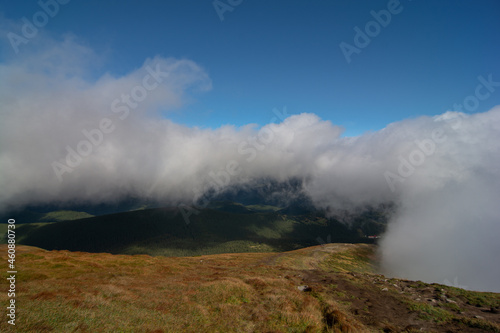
x=304, y=288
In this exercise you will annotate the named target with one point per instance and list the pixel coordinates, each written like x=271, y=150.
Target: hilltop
x=326, y=288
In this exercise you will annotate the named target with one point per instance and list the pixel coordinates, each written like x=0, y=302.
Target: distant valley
x=222, y=227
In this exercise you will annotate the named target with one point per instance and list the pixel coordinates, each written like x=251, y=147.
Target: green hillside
x=64, y=215
x=227, y=227
x=31, y=216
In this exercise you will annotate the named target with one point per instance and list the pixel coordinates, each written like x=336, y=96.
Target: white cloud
x=446, y=220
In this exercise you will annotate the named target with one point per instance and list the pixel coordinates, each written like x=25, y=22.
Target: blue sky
x=271, y=54
x=64, y=139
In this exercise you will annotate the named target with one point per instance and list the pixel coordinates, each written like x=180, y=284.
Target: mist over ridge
x=67, y=138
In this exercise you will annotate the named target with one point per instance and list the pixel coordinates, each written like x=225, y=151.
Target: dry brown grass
x=71, y=291
x=62, y=291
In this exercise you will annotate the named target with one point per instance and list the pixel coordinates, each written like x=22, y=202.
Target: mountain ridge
x=221, y=227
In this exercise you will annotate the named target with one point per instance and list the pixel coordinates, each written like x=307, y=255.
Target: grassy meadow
x=63, y=291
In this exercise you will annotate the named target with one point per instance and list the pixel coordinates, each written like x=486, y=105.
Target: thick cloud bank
x=65, y=136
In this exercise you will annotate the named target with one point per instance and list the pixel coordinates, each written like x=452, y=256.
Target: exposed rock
x=304, y=288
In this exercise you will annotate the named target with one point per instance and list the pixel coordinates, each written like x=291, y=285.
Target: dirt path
x=378, y=302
